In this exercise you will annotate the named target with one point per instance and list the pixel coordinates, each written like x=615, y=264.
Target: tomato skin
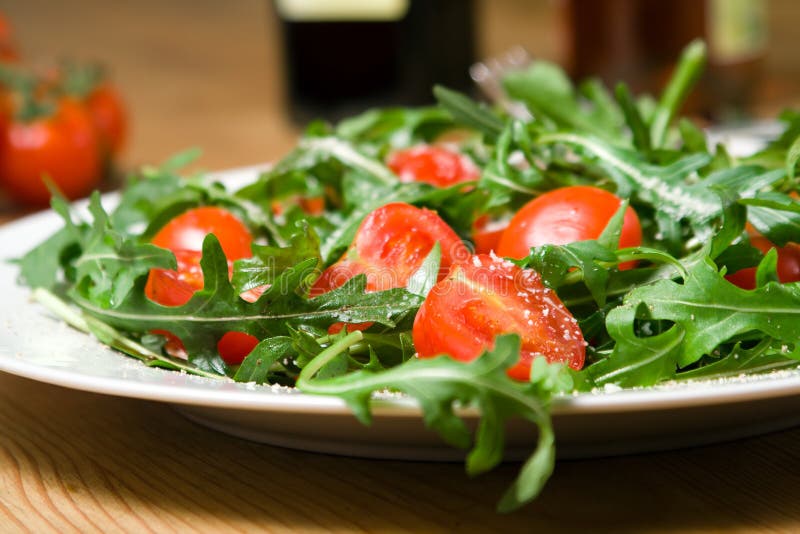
x=487, y=296
x=788, y=264
x=233, y=347
x=63, y=147
x=188, y=230
x=184, y=235
x=433, y=165
x=108, y=114
x=486, y=234
x=565, y=215
x=390, y=245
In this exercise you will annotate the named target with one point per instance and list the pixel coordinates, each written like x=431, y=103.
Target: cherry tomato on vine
x=434, y=165
x=486, y=296
x=184, y=236
x=62, y=146
x=108, y=114
x=565, y=215
x=788, y=264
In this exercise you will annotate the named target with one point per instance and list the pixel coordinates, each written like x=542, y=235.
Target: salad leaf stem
x=689, y=67
x=111, y=336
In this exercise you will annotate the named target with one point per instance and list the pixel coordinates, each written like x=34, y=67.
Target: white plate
x=37, y=346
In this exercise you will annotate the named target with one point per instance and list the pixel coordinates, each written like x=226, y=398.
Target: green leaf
x=439, y=385
x=690, y=66
x=766, y=356
x=707, y=311
x=268, y=262
x=633, y=118
x=424, y=278
x=548, y=93
x=468, y=112
x=792, y=157
x=775, y=215
x=256, y=367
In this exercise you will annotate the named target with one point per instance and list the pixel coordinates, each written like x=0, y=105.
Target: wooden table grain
x=207, y=73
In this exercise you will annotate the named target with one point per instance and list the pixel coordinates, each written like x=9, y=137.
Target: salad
x=458, y=255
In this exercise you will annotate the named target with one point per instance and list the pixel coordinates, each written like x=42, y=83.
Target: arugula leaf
x=706, y=310
x=764, y=357
x=688, y=70
x=440, y=385
x=467, y=112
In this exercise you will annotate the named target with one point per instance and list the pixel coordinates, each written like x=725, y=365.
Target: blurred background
x=212, y=74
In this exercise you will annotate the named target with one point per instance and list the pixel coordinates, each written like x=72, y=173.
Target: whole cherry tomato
x=390, y=245
x=63, y=147
x=184, y=236
x=788, y=264
x=434, y=165
x=565, y=215
x=486, y=296
x=188, y=230
x=108, y=113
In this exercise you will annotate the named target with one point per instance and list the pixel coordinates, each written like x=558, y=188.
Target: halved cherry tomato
x=390, y=245
x=184, y=235
x=565, y=215
x=63, y=147
x=486, y=296
x=788, y=264
x=434, y=165
x=108, y=114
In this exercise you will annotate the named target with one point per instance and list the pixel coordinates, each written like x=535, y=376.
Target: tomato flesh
x=566, y=215
x=486, y=296
x=434, y=165
x=788, y=264
x=390, y=245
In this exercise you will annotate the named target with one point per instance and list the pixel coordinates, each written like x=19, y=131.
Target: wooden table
x=204, y=73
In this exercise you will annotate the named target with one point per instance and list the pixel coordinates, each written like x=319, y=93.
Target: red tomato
x=434, y=165
x=486, y=296
x=486, y=234
x=109, y=116
x=63, y=147
x=184, y=235
x=565, y=215
x=390, y=245
x=233, y=347
x=188, y=230
x=788, y=264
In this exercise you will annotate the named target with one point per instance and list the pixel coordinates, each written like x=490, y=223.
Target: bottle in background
x=345, y=56
x=639, y=40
